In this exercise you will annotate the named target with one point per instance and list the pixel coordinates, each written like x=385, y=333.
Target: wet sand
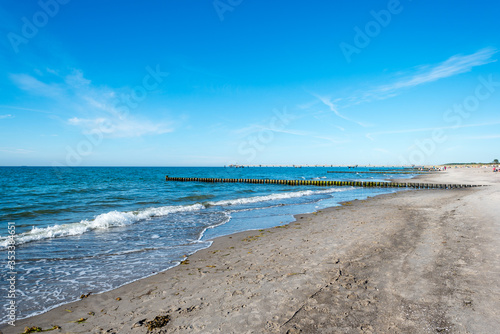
x=419, y=261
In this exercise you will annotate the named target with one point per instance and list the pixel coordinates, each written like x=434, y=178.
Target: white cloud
x=287, y=131
x=77, y=80
x=33, y=85
x=333, y=140
x=372, y=134
x=6, y=116
x=25, y=109
x=454, y=65
x=482, y=137
x=420, y=75
x=97, y=107
x=327, y=101
x=15, y=150
x=382, y=150
x=125, y=128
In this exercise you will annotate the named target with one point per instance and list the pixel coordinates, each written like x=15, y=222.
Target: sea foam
x=103, y=221
x=273, y=197
x=118, y=219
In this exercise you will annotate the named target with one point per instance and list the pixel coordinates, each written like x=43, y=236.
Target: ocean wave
x=197, y=198
x=273, y=197
x=102, y=221
x=118, y=219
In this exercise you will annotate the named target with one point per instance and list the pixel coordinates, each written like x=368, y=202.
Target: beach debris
x=252, y=237
x=35, y=329
x=79, y=321
x=158, y=322
x=139, y=323
x=91, y=313
x=185, y=262
x=85, y=296
x=294, y=330
x=211, y=266
x=52, y=329
x=68, y=311
x=118, y=298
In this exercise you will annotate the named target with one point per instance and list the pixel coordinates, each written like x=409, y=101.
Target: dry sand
x=420, y=261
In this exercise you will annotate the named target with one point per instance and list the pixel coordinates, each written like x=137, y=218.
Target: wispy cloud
x=482, y=137
x=326, y=100
x=333, y=140
x=308, y=105
x=373, y=134
x=454, y=65
x=288, y=131
x=25, y=109
x=34, y=86
x=6, y=116
x=382, y=150
x=255, y=128
x=92, y=107
x=419, y=75
x=15, y=150
x=127, y=127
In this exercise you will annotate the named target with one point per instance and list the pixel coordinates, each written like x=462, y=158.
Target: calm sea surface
x=92, y=229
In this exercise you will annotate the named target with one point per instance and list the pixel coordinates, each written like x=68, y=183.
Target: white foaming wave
x=102, y=221
x=272, y=197
x=226, y=219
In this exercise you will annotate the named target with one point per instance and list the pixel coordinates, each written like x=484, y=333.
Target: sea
x=93, y=229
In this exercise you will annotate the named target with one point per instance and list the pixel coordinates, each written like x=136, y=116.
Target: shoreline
x=239, y=273
x=243, y=234
x=62, y=305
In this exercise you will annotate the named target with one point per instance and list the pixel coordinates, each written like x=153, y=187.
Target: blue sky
x=210, y=83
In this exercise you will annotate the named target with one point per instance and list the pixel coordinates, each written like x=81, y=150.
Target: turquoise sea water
x=92, y=229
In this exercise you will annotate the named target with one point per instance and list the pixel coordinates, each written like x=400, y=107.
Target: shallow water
x=92, y=229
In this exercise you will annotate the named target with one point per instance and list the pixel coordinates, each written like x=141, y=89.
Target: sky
x=213, y=83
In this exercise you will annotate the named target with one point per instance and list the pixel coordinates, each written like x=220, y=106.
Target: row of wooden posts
x=377, y=172
x=325, y=183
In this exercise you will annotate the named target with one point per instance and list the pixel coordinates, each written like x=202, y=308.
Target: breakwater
x=415, y=185
x=377, y=172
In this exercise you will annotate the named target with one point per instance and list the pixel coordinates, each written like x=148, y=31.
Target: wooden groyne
x=377, y=172
x=415, y=185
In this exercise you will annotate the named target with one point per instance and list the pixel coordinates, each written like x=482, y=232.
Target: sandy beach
x=418, y=261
